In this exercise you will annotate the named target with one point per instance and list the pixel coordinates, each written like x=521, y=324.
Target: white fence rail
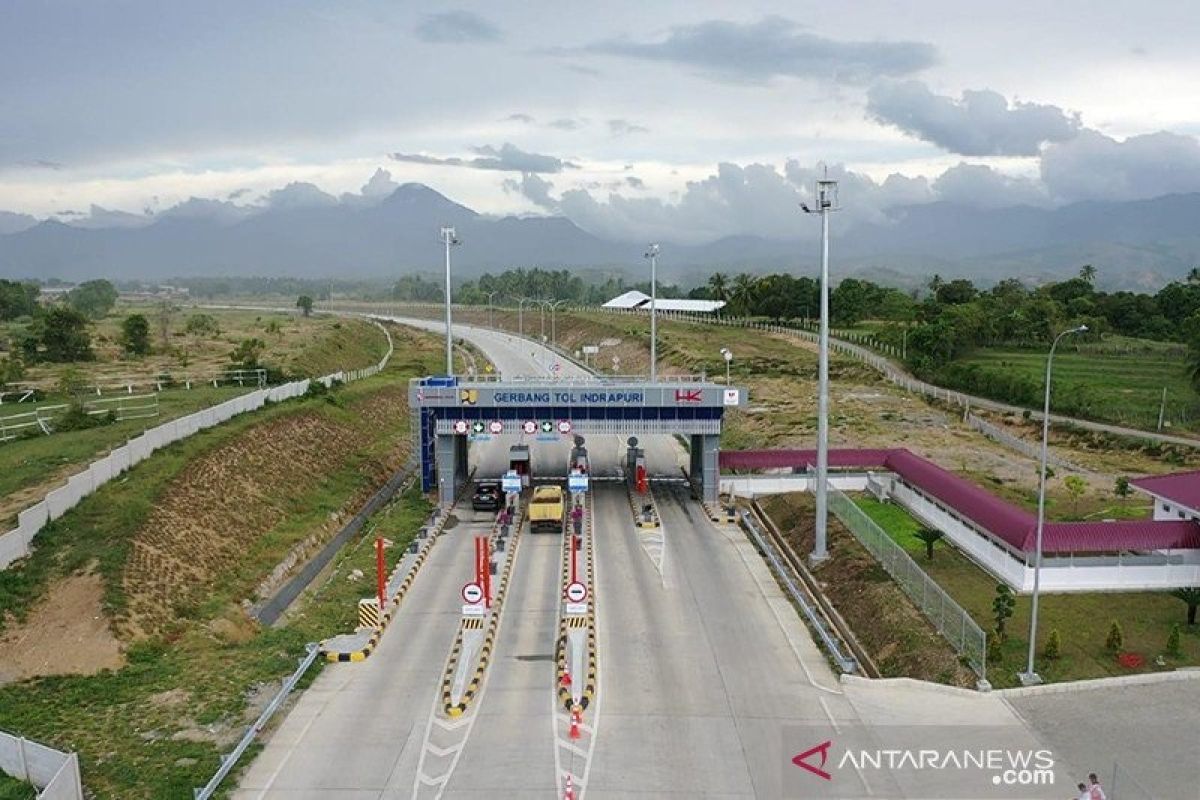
x=15, y=543
x=53, y=773
x=43, y=419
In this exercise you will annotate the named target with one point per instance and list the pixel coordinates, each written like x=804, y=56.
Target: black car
x=488, y=496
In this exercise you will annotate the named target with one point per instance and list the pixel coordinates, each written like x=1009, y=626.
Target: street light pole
x=728, y=354
x=554, y=322
x=826, y=198
x=1029, y=677
x=652, y=254
x=491, y=319
x=449, y=238
x=521, y=301
x=542, y=303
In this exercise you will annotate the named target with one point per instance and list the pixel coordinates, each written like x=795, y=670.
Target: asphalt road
x=708, y=681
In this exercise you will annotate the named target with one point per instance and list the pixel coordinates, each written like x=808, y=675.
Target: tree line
x=508, y=287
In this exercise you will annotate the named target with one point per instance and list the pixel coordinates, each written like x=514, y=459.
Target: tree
x=744, y=294
x=930, y=537
x=1116, y=638
x=135, y=335
x=305, y=304
x=248, y=352
x=1053, y=646
x=201, y=325
x=1173, y=648
x=93, y=299
x=166, y=313
x=1193, y=275
x=718, y=286
x=1122, y=489
x=1075, y=486
x=63, y=336
x=1002, y=608
x=1088, y=273
x=17, y=299
x=1191, y=596
x=12, y=369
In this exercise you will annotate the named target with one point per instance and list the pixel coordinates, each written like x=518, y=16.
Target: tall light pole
x=542, y=304
x=826, y=198
x=491, y=320
x=1029, y=677
x=521, y=301
x=652, y=254
x=554, y=322
x=449, y=238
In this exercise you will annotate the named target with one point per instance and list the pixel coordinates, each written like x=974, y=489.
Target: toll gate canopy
x=449, y=409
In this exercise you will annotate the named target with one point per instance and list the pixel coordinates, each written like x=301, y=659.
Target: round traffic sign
x=564, y=426
x=529, y=426
x=496, y=426
x=576, y=592
x=461, y=426
x=472, y=593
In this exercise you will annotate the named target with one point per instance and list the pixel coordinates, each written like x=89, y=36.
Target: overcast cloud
x=718, y=114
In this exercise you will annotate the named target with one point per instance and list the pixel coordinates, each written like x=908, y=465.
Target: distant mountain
x=303, y=232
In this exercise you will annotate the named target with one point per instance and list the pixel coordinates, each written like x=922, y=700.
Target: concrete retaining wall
x=54, y=773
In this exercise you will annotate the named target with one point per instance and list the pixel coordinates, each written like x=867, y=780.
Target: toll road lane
x=358, y=725
x=511, y=750
x=700, y=677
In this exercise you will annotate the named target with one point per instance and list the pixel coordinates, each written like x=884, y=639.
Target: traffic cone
x=565, y=680
x=576, y=716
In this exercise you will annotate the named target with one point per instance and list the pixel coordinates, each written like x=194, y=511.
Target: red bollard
x=576, y=719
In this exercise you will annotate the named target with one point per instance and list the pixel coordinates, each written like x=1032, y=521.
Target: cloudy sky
x=679, y=120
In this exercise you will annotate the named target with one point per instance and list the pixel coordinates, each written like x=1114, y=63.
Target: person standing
x=1095, y=791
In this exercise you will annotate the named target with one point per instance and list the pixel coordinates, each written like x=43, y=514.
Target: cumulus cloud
x=534, y=188
x=1093, y=166
x=634, y=182
x=623, y=127
x=773, y=47
x=298, y=194
x=455, y=27
x=983, y=187
x=525, y=118
x=980, y=123
x=565, y=124
x=506, y=158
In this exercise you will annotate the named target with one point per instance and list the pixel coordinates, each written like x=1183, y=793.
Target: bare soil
x=67, y=633
x=898, y=638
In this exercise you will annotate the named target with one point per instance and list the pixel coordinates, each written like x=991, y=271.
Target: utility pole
x=449, y=238
x=1162, y=409
x=491, y=320
x=826, y=199
x=652, y=254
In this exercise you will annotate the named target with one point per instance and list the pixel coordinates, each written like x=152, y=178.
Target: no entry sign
x=496, y=427
x=529, y=426
x=472, y=594
x=576, y=592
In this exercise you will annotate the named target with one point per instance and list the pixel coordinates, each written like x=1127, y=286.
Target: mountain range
x=1135, y=244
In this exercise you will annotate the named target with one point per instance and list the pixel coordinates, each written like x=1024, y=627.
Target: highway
x=703, y=665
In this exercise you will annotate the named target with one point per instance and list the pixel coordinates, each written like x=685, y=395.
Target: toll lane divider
x=450, y=707
x=330, y=648
x=574, y=622
x=643, y=507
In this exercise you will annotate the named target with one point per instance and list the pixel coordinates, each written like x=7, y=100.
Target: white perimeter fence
x=55, y=774
x=16, y=543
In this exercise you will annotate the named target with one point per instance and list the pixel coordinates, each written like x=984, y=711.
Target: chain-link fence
x=951, y=620
x=1034, y=451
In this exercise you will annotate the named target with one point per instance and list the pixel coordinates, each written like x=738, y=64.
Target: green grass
x=13, y=789
x=1082, y=620
x=144, y=730
x=31, y=462
x=1122, y=387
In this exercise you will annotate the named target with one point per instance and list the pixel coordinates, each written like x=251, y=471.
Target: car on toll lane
x=487, y=497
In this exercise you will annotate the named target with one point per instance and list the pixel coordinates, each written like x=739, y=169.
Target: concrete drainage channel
x=577, y=659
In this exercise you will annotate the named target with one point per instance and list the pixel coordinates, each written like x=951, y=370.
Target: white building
x=1176, y=496
x=638, y=301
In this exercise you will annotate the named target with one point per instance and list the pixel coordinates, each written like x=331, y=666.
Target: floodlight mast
x=652, y=254
x=826, y=197
x=450, y=239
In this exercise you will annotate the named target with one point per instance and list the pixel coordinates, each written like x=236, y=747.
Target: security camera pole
x=826, y=198
x=449, y=238
x=652, y=254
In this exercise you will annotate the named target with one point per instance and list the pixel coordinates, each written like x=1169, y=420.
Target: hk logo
x=802, y=760
x=469, y=396
x=688, y=395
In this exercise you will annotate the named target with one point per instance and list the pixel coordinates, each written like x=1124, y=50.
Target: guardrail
x=42, y=419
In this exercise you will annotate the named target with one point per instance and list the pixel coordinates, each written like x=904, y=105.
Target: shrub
x=1173, y=648
x=1116, y=638
x=1002, y=608
x=1053, y=646
x=994, y=654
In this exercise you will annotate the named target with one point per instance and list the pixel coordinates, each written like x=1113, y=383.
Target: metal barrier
x=951, y=620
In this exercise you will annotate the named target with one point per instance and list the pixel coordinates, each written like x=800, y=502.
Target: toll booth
x=448, y=411
x=519, y=461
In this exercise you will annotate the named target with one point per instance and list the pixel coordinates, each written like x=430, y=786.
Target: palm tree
x=745, y=292
x=935, y=283
x=930, y=537
x=1088, y=273
x=1191, y=596
x=1194, y=275
x=718, y=286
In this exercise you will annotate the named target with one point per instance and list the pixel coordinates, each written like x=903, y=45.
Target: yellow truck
x=546, y=509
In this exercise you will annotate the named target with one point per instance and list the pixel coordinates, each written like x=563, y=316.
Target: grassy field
x=1082, y=621
x=13, y=789
x=194, y=670
x=1122, y=386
